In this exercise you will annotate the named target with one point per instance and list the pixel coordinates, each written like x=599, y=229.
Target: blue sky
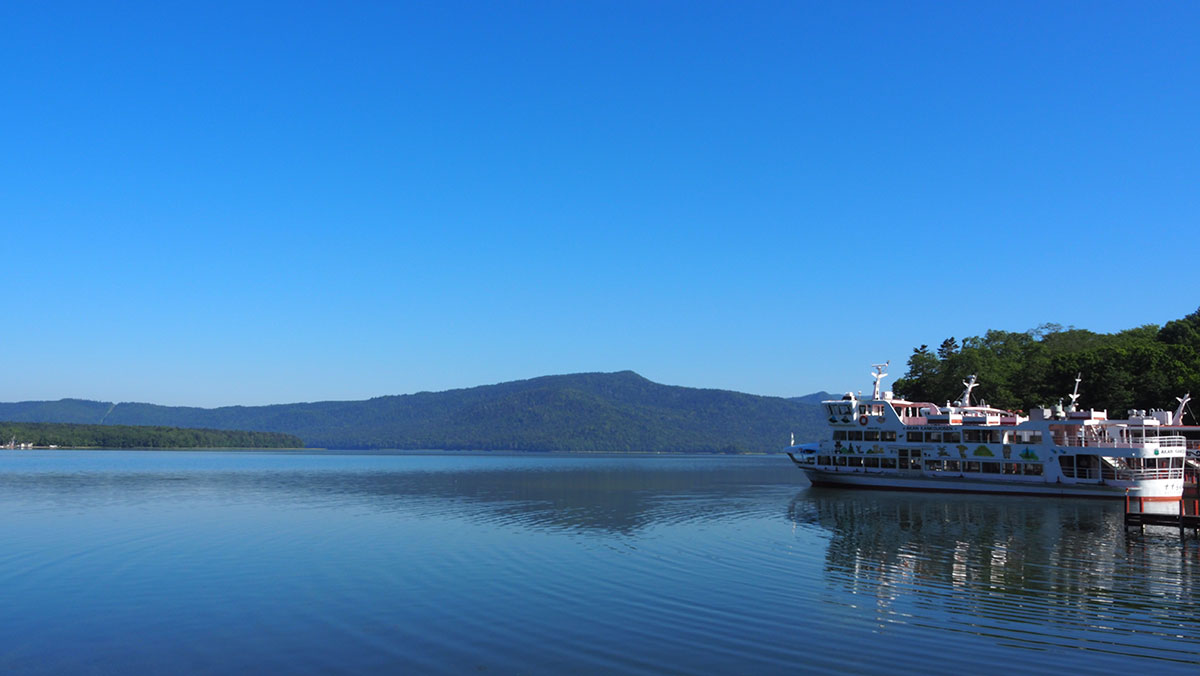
x=251, y=203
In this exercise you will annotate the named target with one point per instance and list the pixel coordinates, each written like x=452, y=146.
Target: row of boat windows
x=847, y=410
x=864, y=435
x=955, y=437
x=956, y=466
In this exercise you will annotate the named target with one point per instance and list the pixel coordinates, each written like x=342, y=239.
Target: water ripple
x=220, y=562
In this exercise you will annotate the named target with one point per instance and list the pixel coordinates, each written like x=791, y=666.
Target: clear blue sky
x=251, y=203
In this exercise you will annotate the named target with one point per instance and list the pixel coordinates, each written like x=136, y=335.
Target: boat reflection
x=998, y=563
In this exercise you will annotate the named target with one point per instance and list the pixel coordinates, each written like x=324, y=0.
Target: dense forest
x=67, y=435
x=1145, y=367
x=577, y=412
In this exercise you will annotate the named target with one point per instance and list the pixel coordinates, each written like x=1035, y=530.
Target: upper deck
x=1064, y=426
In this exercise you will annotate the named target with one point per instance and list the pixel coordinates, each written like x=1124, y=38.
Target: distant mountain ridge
x=578, y=412
x=814, y=398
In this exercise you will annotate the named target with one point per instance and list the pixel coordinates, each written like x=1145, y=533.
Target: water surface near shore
x=214, y=562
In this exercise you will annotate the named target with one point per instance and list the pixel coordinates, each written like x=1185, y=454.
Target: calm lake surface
x=222, y=562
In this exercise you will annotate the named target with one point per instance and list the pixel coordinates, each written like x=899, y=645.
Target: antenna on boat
x=1177, y=419
x=1075, y=395
x=879, y=374
x=965, y=399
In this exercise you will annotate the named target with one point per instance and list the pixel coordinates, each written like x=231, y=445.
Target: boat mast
x=1075, y=395
x=1177, y=419
x=879, y=374
x=965, y=399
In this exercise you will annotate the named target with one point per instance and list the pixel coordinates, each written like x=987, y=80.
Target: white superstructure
x=886, y=442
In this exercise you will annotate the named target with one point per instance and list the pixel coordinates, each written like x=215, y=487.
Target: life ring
x=862, y=420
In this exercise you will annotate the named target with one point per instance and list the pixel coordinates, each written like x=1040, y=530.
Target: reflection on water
x=445, y=563
x=607, y=494
x=1034, y=574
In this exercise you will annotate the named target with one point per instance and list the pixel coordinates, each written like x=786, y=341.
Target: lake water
x=244, y=562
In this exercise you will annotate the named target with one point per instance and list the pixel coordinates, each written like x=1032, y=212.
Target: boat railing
x=1171, y=441
x=1126, y=474
x=1118, y=468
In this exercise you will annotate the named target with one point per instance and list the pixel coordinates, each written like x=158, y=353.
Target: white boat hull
x=1156, y=491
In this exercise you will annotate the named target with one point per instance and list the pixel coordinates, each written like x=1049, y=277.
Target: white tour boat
x=886, y=442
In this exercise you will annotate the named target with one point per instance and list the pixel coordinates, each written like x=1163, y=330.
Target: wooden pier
x=1188, y=515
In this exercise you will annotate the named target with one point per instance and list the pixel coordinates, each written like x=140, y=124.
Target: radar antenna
x=965, y=398
x=879, y=374
x=1075, y=395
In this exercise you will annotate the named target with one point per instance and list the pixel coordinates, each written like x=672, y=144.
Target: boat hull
x=918, y=482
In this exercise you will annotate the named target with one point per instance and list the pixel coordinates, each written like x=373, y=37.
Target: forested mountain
x=580, y=412
x=1144, y=367
x=814, y=398
x=70, y=435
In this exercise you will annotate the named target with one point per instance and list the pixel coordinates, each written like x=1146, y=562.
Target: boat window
x=862, y=409
x=916, y=437
x=887, y=463
x=953, y=466
x=971, y=466
x=933, y=465
x=1029, y=437
x=1067, y=464
x=839, y=435
x=991, y=468
x=855, y=461
x=870, y=436
x=971, y=436
x=950, y=437
x=871, y=462
x=824, y=460
x=1080, y=466
x=888, y=435
x=933, y=437
x=1033, y=469
x=1012, y=468
x=854, y=435
x=841, y=460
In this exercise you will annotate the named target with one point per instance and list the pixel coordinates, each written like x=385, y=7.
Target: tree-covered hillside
x=1144, y=367
x=68, y=435
x=580, y=412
